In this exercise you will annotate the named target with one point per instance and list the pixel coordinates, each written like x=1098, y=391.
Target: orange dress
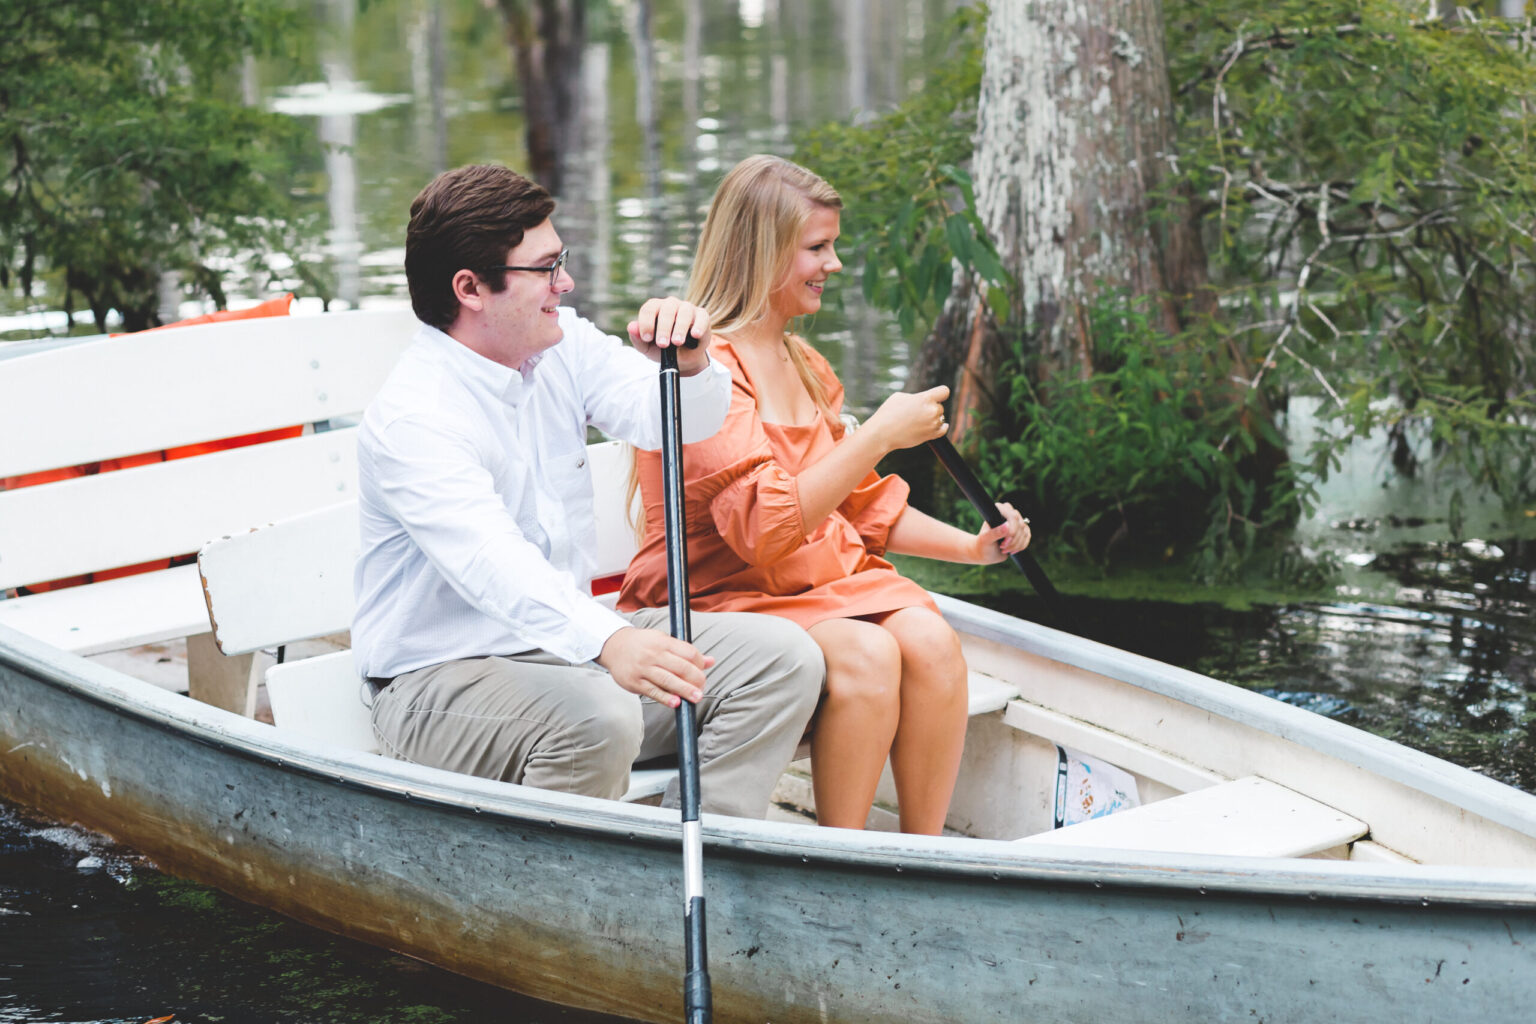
x=749, y=549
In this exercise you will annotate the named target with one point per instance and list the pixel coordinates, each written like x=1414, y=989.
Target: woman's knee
x=863, y=662
x=930, y=648
x=923, y=634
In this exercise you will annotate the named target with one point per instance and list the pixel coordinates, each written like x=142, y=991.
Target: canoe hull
x=579, y=901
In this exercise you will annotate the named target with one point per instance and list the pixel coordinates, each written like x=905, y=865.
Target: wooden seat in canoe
x=1250, y=817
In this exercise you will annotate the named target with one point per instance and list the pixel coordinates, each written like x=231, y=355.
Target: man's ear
x=467, y=288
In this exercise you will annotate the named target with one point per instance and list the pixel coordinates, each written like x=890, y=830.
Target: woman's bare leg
x=857, y=720
x=930, y=736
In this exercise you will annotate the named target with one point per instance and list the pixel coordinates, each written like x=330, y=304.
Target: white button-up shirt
x=476, y=501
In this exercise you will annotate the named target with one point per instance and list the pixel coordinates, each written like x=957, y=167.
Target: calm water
x=88, y=933
x=1428, y=637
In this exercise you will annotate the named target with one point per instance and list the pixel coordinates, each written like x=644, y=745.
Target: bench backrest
x=111, y=397
x=292, y=580
x=80, y=404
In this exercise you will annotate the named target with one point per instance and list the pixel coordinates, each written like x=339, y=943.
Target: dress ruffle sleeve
x=737, y=488
x=873, y=508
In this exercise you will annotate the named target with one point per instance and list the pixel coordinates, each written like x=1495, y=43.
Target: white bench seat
x=321, y=698
x=987, y=694
x=1249, y=817
x=113, y=614
x=648, y=783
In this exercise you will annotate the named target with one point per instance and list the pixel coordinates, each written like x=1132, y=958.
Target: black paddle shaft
x=976, y=493
x=696, y=992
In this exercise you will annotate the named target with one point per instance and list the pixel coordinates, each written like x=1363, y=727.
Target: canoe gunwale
x=736, y=838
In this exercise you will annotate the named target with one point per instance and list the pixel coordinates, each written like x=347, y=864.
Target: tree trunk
x=1074, y=138
x=547, y=39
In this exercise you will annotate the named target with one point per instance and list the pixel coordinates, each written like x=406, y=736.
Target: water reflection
x=632, y=128
x=338, y=132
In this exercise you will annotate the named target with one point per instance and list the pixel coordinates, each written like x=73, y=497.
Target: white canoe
x=1283, y=866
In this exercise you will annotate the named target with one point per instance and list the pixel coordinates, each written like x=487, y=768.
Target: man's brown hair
x=467, y=219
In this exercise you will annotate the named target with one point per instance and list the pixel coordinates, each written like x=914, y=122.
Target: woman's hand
x=995, y=543
x=906, y=420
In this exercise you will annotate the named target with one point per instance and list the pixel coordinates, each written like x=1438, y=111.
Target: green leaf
x=957, y=231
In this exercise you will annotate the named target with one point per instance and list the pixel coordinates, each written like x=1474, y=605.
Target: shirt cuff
x=706, y=399
x=590, y=632
x=704, y=381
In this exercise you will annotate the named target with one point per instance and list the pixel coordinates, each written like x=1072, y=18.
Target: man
x=475, y=623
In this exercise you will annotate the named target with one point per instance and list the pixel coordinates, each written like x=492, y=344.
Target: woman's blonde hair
x=746, y=247
x=747, y=244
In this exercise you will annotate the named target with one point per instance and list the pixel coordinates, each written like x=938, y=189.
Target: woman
x=785, y=514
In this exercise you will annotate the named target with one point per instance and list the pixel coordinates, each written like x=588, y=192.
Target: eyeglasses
x=553, y=270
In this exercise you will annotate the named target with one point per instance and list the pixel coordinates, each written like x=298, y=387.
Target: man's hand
x=655, y=665
x=669, y=321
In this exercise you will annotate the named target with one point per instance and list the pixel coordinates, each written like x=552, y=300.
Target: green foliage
x=1366, y=187
x=127, y=152
x=1370, y=184
x=909, y=209
x=1146, y=452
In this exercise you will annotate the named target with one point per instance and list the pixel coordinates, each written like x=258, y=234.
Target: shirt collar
x=475, y=368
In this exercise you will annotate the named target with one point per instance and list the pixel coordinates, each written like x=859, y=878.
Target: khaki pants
x=540, y=721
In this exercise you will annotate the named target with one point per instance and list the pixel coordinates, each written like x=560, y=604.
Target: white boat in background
x=1280, y=866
